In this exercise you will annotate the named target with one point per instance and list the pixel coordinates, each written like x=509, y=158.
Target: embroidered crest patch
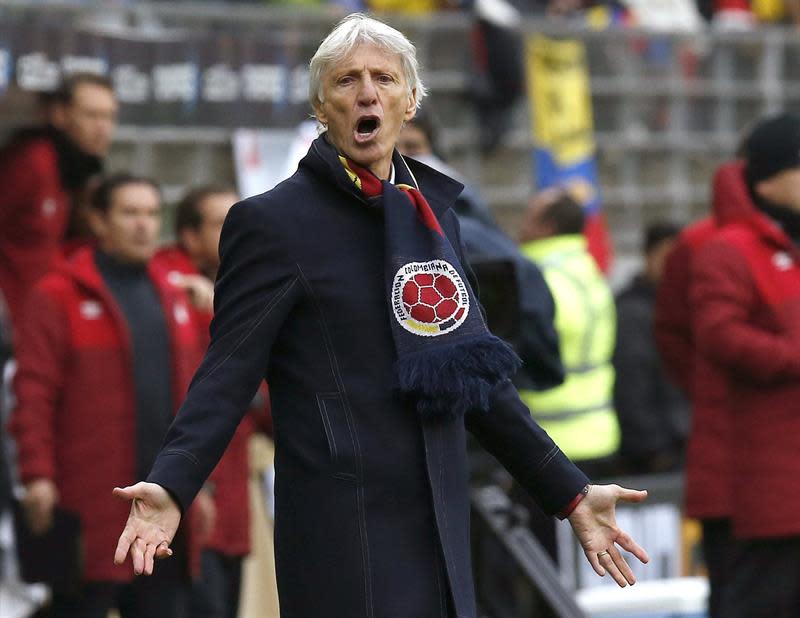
x=429, y=298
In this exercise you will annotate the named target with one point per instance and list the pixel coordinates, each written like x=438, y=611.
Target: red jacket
x=708, y=454
x=75, y=416
x=34, y=212
x=746, y=295
x=231, y=535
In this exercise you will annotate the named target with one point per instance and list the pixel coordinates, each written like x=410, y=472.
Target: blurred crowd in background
x=102, y=324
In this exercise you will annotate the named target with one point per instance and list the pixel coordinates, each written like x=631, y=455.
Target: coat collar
x=771, y=232
x=441, y=191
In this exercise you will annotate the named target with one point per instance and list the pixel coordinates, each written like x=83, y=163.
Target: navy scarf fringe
x=449, y=380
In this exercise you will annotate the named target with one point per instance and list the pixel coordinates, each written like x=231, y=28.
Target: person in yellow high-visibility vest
x=578, y=414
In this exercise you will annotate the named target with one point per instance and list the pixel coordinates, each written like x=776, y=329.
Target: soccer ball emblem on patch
x=429, y=298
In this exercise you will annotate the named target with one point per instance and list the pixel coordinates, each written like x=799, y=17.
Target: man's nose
x=367, y=93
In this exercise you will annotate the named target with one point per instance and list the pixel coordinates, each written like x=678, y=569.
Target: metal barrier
x=514, y=576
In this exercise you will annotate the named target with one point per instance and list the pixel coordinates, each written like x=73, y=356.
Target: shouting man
x=345, y=287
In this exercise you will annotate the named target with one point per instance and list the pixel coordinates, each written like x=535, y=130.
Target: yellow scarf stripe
x=353, y=176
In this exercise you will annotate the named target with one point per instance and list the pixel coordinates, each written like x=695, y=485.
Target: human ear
x=411, y=107
x=320, y=115
x=96, y=221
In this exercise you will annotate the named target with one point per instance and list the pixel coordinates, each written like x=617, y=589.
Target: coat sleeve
x=723, y=296
x=507, y=431
x=256, y=288
x=673, y=320
x=38, y=382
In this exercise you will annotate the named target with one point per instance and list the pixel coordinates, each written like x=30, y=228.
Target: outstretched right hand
x=150, y=528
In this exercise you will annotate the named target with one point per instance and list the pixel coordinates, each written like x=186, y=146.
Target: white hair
x=350, y=32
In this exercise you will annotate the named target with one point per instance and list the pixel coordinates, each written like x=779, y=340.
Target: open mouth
x=367, y=127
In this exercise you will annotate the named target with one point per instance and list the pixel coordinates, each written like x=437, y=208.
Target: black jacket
x=372, y=506
x=653, y=415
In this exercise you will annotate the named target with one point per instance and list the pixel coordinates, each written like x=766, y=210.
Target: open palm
x=150, y=528
x=595, y=524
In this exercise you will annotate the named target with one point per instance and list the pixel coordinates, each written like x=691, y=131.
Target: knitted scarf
x=448, y=362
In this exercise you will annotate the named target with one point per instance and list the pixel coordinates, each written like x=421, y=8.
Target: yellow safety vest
x=578, y=414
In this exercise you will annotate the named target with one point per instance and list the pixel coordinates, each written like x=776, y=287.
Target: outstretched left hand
x=595, y=524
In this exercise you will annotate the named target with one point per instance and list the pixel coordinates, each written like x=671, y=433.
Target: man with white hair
x=345, y=288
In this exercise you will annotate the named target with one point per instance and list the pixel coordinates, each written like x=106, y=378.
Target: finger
x=626, y=542
x=611, y=568
x=622, y=565
x=595, y=562
x=149, y=555
x=163, y=551
x=126, y=493
x=137, y=554
x=631, y=495
x=123, y=545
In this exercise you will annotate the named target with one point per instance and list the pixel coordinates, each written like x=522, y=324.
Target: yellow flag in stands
x=404, y=6
x=768, y=11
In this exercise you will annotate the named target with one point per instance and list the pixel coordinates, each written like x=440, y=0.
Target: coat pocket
x=340, y=435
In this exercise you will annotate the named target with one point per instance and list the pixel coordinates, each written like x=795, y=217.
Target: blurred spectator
x=744, y=14
x=706, y=8
x=192, y=263
x=498, y=74
x=709, y=453
x=40, y=170
x=109, y=349
x=745, y=288
x=653, y=415
x=579, y=415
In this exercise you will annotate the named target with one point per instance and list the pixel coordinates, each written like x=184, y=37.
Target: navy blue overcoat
x=372, y=505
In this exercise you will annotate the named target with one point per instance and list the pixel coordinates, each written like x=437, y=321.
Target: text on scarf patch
x=429, y=298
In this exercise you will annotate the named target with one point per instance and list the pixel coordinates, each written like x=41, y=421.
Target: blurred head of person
x=419, y=137
x=198, y=224
x=85, y=109
x=363, y=85
x=565, y=7
x=772, y=154
x=125, y=217
x=659, y=239
x=552, y=212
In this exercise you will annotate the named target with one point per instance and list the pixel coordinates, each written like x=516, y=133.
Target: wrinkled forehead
x=369, y=56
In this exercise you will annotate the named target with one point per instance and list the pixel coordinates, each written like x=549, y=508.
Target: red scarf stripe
x=371, y=186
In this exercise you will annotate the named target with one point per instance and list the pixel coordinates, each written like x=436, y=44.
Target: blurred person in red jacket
x=745, y=292
x=192, y=263
x=110, y=348
x=42, y=171
x=709, y=452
